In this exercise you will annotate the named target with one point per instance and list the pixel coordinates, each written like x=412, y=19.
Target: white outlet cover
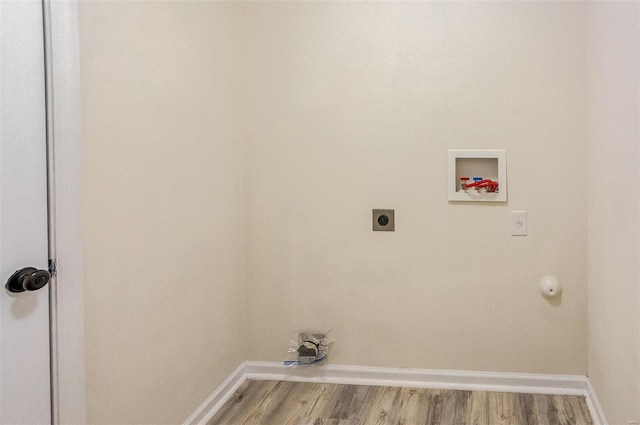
x=518, y=223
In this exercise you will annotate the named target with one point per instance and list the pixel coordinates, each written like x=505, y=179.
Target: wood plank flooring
x=297, y=403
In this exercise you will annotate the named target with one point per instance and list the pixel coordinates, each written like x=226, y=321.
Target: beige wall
x=241, y=146
x=352, y=106
x=162, y=202
x=614, y=207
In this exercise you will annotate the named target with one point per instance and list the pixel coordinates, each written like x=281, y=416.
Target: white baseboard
x=219, y=397
x=395, y=377
x=419, y=378
x=594, y=406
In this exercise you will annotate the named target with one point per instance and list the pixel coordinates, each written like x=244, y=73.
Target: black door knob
x=27, y=279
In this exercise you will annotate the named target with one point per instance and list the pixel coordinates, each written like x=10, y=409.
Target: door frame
x=64, y=152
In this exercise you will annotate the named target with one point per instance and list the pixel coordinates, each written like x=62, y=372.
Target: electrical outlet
x=518, y=222
x=383, y=220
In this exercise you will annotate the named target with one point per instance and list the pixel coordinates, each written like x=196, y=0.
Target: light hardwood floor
x=297, y=403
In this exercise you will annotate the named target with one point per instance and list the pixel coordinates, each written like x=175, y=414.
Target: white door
x=24, y=316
